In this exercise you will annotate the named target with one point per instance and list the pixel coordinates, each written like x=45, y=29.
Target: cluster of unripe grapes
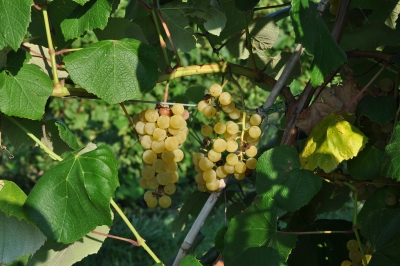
x=162, y=131
x=355, y=254
x=236, y=138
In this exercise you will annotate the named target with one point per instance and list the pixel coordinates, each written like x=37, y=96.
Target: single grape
x=171, y=143
x=255, y=120
x=143, y=183
x=355, y=256
x=171, y=167
x=197, y=168
x=159, y=166
x=196, y=158
x=177, y=109
x=149, y=156
x=221, y=173
x=136, y=118
x=346, y=263
x=215, y=90
x=174, y=177
x=202, y=188
x=251, y=152
x=206, y=130
x=387, y=128
x=176, y=122
x=251, y=163
x=205, y=164
x=230, y=169
x=164, y=201
x=213, y=186
x=149, y=128
x=148, y=172
x=146, y=141
x=239, y=176
x=163, y=122
x=225, y=98
x=380, y=144
x=232, y=128
x=181, y=137
x=219, y=145
x=142, y=116
x=214, y=156
x=178, y=155
x=201, y=105
x=140, y=127
x=391, y=199
x=151, y=115
x=220, y=128
x=167, y=156
x=240, y=167
x=151, y=202
x=386, y=85
x=163, y=178
x=231, y=145
x=152, y=183
x=173, y=131
x=170, y=189
x=158, y=146
x=352, y=245
x=209, y=111
x=228, y=108
x=148, y=195
x=209, y=175
x=232, y=159
x=159, y=134
x=199, y=179
x=235, y=114
x=254, y=132
x=228, y=136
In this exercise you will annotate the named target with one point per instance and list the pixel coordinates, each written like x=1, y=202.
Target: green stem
x=41, y=144
x=140, y=240
x=52, y=52
x=355, y=227
x=161, y=39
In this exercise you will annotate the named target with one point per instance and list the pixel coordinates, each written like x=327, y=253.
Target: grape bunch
x=162, y=131
x=229, y=146
x=355, y=254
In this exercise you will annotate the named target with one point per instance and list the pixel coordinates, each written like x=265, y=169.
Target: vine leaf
x=382, y=230
x=328, y=100
x=367, y=164
x=190, y=260
x=14, y=18
x=73, y=197
x=219, y=239
x=24, y=88
x=58, y=254
x=19, y=235
x=120, y=28
x=313, y=34
x=391, y=159
x=81, y=2
x=384, y=11
x=279, y=176
x=331, y=141
x=330, y=198
x=93, y=14
x=258, y=256
x=369, y=104
x=246, y=5
x=113, y=70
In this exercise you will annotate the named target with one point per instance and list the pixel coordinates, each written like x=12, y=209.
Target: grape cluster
x=236, y=138
x=355, y=254
x=162, y=131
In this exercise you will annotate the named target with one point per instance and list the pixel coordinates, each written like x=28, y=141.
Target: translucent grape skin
x=225, y=98
x=352, y=245
x=215, y=90
x=164, y=201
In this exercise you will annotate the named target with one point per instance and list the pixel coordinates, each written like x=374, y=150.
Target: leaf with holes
x=331, y=141
x=116, y=71
x=369, y=105
x=73, y=197
x=279, y=176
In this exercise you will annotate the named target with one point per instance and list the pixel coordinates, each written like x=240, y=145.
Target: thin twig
x=130, y=120
x=133, y=242
x=317, y=232
x=166, y=91
x=270, y=7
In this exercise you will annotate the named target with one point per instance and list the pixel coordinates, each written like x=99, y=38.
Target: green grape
x=152, y=183
x=149, y=156
x=171, y=143
x=143, y=183
x=168, y=156
x=142, y=116
x=215, y=90
x=209, y=111
x=346, y=263
x=151, y=202
x=201, y=105
x=170, y=189
x=231, y=145
x=228, y=108
x=205, y=164
x=225, y=98
x=202, y=188
x=254, y=132
x=159, y=165
x=151, y=115
x=163, y=122
x=174, y=177
x=173, y=131
x=232, y=159
x=251, y=152
x=240, y=167
x=158, y=146
x=209, y=175
x=213, y=186
x=228, y=136
x=231, y=128
x=197, y=168
x=196, y=158
x=386, y=85
x=255, y=120
x=352, y=245
x=171, y=167
x=148, y=172
x=181, y=137
x=177, y=109
x=148, y=195
x=164, y=201
x=178, y=155
x=146, y=141
x=176, y=122
x=220, y=172
x=355, y=256
x=140, y=127
x=136, y=118
x=159, y=134
x=219, y=145
x=149, y=128
x=163, y=178
x=390, y=200
x=230, y=169
x=206, y=130
x=199, y=179
x=235, y=114
x=214, y=156
x=387, y=128
x=220, y=128
x=251, y=163
x=239, y=176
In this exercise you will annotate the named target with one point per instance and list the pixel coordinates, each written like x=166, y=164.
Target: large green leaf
x=367, y=164
x=190, y=260
x=368, y=106
x=253, y=228
x=14, y=18
x=115, y=71
x=382, y=230
x=391, y=159
x=58, y=254
x=313, y=34
x=24, y=88
x=73, y=197
x=120, y=28
x=279, y=176
x=11, y=200
x=93, y=14
x=331, y=141
x=265, y=256
x=384, y=11
x=330, y=198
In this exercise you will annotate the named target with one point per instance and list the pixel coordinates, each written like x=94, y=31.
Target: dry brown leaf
x=329, y=100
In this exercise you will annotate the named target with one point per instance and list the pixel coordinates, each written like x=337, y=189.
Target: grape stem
x=133, y=242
